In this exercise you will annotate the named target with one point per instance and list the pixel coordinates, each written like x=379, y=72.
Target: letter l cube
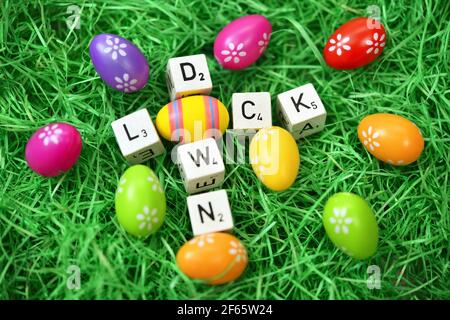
x=137, y=137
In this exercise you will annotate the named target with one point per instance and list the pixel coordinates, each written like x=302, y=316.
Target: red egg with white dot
x=355, y=44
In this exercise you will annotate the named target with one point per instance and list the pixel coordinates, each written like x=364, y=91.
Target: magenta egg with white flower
x=53, y=149
x=241, y=42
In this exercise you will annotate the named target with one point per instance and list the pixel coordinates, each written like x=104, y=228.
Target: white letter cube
x=137, y=137
x=301, y=111
x=210, y=212
x=251, y=110
x=201, y=165
x=188, y=76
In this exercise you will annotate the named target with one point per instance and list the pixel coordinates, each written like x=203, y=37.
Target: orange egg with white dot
x=391, y=138
x=275, y=158
x=214, y=258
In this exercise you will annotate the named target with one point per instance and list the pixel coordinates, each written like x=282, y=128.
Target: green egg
x=351, y=225
x=140, y=201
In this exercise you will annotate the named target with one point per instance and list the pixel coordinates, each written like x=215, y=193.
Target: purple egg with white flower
x=119, y=62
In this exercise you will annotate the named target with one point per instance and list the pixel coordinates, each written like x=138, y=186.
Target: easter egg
x=140, y=201
x=391, y=138
x=241, y=42
x=351, y=225
x=53, y=149
x=192, y=118
x=274, y=157
x=215, y=258
x=355, y=44
x=119, y=62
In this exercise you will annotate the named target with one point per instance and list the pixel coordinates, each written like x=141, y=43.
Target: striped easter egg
x=192, y=119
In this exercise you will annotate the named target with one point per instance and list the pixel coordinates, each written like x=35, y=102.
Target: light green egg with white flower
x=140, y=201
x=351, y=225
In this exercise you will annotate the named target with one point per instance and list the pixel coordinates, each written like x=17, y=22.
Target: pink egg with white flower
x=241, y=42
x=53, y=149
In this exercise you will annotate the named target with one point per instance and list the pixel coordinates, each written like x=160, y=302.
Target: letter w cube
x=201, y=165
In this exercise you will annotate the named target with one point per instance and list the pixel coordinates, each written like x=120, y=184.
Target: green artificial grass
x=46, y=225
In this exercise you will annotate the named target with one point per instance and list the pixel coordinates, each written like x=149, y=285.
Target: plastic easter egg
x=240, y=43
x=391, y=138
x=119, y=62
x=351, y=225
x=355, y=44
x=53, y=149
x=140, y=201
x=215, y=258
x=192, y=118
x=275, y=158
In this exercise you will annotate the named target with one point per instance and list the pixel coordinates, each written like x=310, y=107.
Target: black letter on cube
x=186, y=78
x=205, y=184
x=210, y=214
x=128, y=133
x=243, y=109
x=299, y=102
x=201, y=155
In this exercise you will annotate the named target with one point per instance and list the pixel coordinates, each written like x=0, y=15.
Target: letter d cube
x=201, y=165
x=188, y=76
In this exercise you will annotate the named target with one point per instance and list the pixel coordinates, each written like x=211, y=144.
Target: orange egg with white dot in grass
x=214, y=258
x=275, y=158
x=391, y=138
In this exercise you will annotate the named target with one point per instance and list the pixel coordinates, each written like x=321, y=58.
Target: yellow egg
x=274, y=157
x=192, y=119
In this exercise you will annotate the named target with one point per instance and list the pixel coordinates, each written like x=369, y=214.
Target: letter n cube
x=201, y=165
x=188, y=76
x=210, y=212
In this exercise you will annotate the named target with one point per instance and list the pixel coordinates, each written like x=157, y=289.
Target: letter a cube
x=301, y=111
x=251, y=110
x=137, y=137
x=210, y=212
x=188, y=76
x=201, y=165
